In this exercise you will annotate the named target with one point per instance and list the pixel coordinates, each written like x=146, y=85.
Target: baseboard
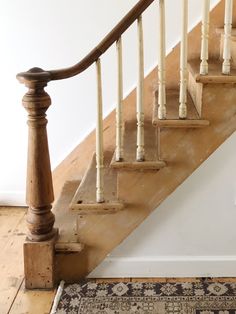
x=12, y=198
x=174, y=266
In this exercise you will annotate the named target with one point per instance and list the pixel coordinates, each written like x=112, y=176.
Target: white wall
x=192, y=233
x=58, y=33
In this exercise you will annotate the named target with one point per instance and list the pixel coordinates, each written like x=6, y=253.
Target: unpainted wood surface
x=193, y=120
x=66, y=221
x=75, y=164
x=214, y=75
x=182, y=123
x=38, y=301
x=39, y=266
x=129, y=162
x=84, y=201
x=101, y=234
x=195, y=91
x=172, y=107
x=13, y=233
x=32, y=301
x=39, y=188
x=183, y=150
x=8, y=223
x=14, y=299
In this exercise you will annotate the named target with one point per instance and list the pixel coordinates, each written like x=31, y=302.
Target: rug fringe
x=57, y=297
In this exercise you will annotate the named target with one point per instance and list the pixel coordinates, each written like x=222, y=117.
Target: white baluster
x=99, y=137
x=227, y=35
x=140, y=154
x=161, y=63
x=183, y=62
x=119, y=111
x=205, y=37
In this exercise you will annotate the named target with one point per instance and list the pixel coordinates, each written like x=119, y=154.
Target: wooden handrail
x=36, y=75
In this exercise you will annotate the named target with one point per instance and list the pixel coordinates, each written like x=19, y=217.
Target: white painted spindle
x=99, y=137
x=161, y=63
x=140, y=154
x=205, y=37
x=119, y=111
x=183, y=62
x=227, y=35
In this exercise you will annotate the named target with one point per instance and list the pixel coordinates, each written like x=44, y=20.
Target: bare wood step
x=172, y=121
x=220, y=31
x=66, y=222
x=137, y=165
x=181, y=123
x=214, y=75
x=84, y=201
x=68, y=247
x=129, y=162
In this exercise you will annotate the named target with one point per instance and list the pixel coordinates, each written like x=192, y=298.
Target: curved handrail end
x=34, y=75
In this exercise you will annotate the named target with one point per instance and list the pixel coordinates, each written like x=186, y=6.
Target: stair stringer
x=143, y=192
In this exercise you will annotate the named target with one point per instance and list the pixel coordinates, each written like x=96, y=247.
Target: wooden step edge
x=68, y=247
x=180, y=123
x=218, y=79
x=138, y=165
x=221, y=31
x=211, y=79
x=98, y=208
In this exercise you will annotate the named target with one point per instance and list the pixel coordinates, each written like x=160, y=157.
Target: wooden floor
x=14, y=299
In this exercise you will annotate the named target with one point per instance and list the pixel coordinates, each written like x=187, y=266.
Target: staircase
x=143, y=152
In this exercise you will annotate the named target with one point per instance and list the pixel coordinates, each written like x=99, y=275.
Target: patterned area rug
x=148, y=298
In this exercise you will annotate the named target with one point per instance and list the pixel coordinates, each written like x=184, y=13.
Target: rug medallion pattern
x=148, y=298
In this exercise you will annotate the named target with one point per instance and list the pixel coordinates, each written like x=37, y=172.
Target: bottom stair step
x=84, y=201
x=66, y=221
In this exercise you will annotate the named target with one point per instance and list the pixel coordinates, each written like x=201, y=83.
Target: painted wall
x=192, y=233
x=57, y=33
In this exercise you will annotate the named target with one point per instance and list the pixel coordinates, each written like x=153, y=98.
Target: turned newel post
x=39, y=193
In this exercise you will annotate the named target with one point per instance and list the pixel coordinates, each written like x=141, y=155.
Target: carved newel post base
x=39, y=246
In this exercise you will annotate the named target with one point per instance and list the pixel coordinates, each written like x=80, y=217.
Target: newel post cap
x=34, y=76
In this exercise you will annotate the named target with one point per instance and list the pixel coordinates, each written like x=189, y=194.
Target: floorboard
x=32, y=302
x=14, y=299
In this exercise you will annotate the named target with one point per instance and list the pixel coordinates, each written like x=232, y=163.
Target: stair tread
x=63, y=247
x=172, y=117
x=129, y=162
x=221, y=31
x=84, y=201
x=214, y=72
x=182, y=123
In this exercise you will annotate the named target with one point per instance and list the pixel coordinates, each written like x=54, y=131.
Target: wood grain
x=84, y=202
x=214, y=73
x=39, y=302
x=11, y=263
x=39, y=188
x=193, y=120
x=129, y=162
x=32, y=302
x=183, y=150
x=9, y=219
